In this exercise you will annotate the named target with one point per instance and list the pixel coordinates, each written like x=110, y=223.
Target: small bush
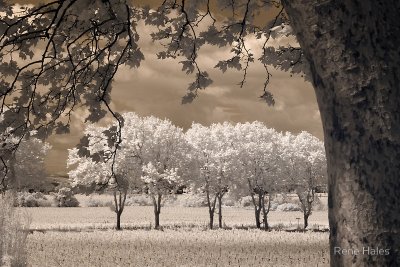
x=229, y=201
x=278, y=227
x=37, y=199
x=65, y=198
x=13, y=233
x=288, y=207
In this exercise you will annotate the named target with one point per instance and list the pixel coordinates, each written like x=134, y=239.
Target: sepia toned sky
x=157, y=87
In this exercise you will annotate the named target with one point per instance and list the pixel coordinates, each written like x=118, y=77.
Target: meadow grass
x=85, y=237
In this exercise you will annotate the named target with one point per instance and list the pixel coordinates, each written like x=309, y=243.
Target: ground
x=84, y=237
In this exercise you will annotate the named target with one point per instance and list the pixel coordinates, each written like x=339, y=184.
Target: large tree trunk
x=354, y=55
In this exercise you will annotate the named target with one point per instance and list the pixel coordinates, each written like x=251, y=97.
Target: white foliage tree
x=158, y=184
x=305, y=168
x=215, y=156
x=93, y=169
x=260, y=166
x=163, y=153
x=152, y=154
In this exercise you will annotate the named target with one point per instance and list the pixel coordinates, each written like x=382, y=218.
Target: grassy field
x=142, y=216
x=178, y=248
x=84, y=237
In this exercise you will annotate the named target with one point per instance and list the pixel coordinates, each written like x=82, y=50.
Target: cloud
x=157, y=87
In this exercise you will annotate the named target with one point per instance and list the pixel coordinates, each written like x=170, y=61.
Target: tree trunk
x=211, y=213
x=306, y=205
x=157, y=210
x=257, y=206
x=266, y=211
x=156, y=220
x=257, y=213
x=119, y=205
x=306, y=215
x=119, y=220
x=211, y=208
x=220, y=210
x=354, y=55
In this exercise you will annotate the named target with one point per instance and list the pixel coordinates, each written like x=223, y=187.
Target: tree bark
x=119, y=205
x=257, y=213
x=119, y=220
x=257, y=206
x=211, y=208
x=220, y=210
x=306, y=204
x=257, y=209
x=306, y=215
x=354, y=56
x=211, y=223
x=157, y=210
x=266, y=210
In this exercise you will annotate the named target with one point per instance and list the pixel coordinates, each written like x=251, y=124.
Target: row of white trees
x=155, y=157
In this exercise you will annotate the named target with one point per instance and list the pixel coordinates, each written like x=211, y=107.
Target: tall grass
x=14, y=227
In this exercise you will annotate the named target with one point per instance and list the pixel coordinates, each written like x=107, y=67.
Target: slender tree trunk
x=211, y=208
x=156, y=220
x=257, y=213
x=354, y=55
x=211, y=223
x=257, y=206
x=119, y=220
x=306, y=205
x=257, y=209
x=119, y=205
x=266, y=210
x=220, y=195
x=157, y=210
x=306, y=215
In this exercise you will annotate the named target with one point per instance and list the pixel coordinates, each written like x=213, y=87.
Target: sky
x=157, y=88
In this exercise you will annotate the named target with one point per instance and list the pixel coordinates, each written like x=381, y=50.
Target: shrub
x=13, y=233
x=288, y=207
x=229, y=201
x=37, y=199
x=65, y=198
